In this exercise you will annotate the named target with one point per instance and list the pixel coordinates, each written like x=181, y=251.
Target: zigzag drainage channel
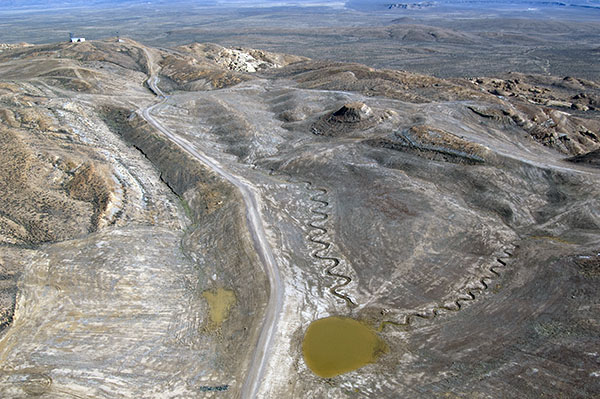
x=468, y=296
x=319, y=238
x=317, y=235
x=337, y=345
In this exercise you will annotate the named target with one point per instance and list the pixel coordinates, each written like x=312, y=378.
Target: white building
x=77, y=39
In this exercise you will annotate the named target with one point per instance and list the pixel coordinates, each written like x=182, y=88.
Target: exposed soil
x=441, y=213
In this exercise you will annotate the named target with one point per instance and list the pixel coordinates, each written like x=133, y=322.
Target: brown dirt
x=561, y=113
x=405, y=86
x=90, y=186
x=33, y=209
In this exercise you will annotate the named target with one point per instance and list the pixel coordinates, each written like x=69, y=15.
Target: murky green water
x=337, y=345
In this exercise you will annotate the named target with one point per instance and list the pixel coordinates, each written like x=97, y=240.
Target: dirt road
x=256, y=228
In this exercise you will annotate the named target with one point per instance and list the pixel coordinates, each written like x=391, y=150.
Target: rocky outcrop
x=238, y=59
x=410, y=6
x=350, y=118
x=352, y=113
x=207, y=66
x=591, y=158
x=558, y=112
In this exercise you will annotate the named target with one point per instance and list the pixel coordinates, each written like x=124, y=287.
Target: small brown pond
x=337, y=345
x=219, y=301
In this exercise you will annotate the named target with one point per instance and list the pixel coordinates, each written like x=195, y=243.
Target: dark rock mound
x=351, y=117
x=352, y=113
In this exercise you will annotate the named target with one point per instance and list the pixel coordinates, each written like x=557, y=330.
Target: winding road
x=258, y=363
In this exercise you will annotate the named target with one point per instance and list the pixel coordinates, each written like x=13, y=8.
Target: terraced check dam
x=257, y=231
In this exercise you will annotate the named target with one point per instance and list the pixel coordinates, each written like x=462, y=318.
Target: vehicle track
x=318, y=236
x=467, y=296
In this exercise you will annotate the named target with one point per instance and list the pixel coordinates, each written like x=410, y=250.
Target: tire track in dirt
x=469, y=295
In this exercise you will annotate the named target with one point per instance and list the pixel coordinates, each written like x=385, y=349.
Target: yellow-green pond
x=219, y=301
x=337, y=345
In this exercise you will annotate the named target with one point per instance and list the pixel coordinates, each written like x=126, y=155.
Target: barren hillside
x=456, y=219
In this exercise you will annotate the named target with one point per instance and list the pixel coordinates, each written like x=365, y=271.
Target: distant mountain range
x=382, y=4
x=373, y=5
x=24, y=4
x=8, y=5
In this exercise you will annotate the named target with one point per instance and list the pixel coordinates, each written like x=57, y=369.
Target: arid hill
x=455, y=218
